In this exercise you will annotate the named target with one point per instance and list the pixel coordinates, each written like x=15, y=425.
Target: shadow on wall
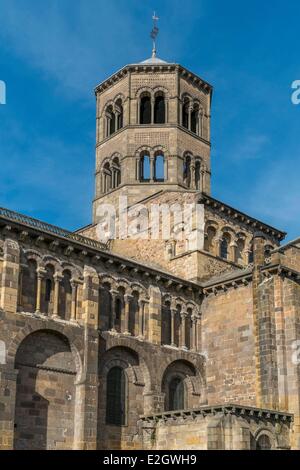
x=45, y=397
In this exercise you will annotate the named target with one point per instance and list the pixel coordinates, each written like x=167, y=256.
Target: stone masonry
x=138, y=342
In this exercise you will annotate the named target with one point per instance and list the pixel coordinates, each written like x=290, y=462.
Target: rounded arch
x=109, y=103
x=176, y=385
x=160, y=106
x=55, y=329
x=263, y=439
x=47, y=373
x=32, y=254
x=75, y=270
x=142, y=90
x=161, y=89
x=143, y=149
x=119, y=97
x=137, y=352
x=50, y=259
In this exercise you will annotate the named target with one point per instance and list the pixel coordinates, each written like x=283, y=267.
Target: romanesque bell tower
x=153, y=132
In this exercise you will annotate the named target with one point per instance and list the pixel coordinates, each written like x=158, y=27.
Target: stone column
x=194, y=338
x=166, y=110
x=146, y=319
x=127, y=299
x=152, y=110
x=190, y=117
x=74, y=286
x=183, y=316
x=192, y=169
x=202, y=180
x=152, y=161
x=137, y=169
x=40, y=275
x=232, y=251
x=57, y=279
x=173, y=316
x=165, y=168
x=116, y=121
x=180, y=112
x=114, y=294
x=20, y=287
x=141, y=318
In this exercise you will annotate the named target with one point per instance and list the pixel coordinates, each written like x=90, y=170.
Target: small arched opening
x=159, y=109
x=145, y=109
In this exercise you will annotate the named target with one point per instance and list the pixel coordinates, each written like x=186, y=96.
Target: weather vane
x=154, y=33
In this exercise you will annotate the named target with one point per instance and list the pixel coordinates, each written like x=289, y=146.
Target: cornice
x=227, y=281
x=281, y=270
x=150, y=68
x=239, y=216
x=231, y=409
x=23, y=228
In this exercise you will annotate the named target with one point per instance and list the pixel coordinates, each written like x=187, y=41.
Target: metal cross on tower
x=154, y=33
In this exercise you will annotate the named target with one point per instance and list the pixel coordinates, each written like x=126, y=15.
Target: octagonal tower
x=153, y=132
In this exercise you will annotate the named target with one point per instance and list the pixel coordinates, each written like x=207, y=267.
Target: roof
x=242, y=217
x=154, y=60
x=148, y=65
x=85, y=247
x=291, y=244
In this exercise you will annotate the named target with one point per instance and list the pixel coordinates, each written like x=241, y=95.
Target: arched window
x=119, y=113
x=105, y=307
x=110, y=121
x=47, y=298
x=166, y=324
x=185, y=113
x=250, y=256
x=240, y=250
x=159, y=110
x=200, y=122
x=65, y=297
x=187, y=171
x=107, y=178
x=263, y=442
x=133, y=314
x=145, y=109
x=116, y=397
x=198, y=174
x=209, y=240
x=118, y=308
x=28, y=287
x=116, y=173
x=224, y=246
x=145, y=167
x=159, y=168
x=194, y=119
x=48, y=290
x=176, y=394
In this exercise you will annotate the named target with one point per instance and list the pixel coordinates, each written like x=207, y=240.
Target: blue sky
x=53, y=53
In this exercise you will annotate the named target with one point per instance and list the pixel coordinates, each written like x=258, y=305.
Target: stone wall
x=216, y=429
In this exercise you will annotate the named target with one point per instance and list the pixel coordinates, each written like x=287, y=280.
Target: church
x=185, y=341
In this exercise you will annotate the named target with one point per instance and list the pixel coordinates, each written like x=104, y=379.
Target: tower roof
x=154, y=61
x=150, y=65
